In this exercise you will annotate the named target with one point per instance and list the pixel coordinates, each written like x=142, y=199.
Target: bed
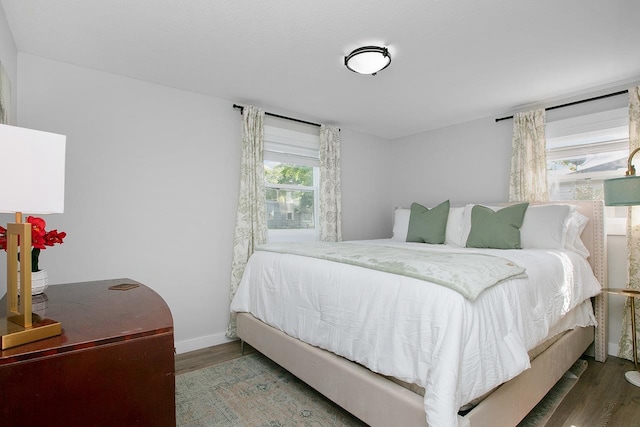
x=514, y=385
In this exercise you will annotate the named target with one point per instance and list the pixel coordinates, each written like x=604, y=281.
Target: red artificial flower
x=40, y=238
x=3, y=238
x=53, y=237
x=37, y=231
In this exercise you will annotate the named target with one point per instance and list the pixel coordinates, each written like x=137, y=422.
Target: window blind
x=290, y=146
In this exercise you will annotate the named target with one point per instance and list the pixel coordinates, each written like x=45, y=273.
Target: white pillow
x=455, y=222
x=466, y=223
x=401, y=224
x=575, y=226
x=545, y=226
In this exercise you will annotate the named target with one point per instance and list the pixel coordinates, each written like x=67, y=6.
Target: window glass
x=575, y=175
x=290, y=196
x=584, y=151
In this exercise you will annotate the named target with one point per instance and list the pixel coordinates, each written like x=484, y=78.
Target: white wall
x=150, y=191
x=151, y=187
x=470, y=163
x=366, y=185
x=463, y=163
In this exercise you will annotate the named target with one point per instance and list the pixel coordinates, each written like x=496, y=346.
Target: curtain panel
x=528, y=179
x=330, y=210
x=633, y=233
x=251, y=218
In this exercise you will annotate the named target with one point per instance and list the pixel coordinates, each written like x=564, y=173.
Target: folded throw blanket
x=466, y=273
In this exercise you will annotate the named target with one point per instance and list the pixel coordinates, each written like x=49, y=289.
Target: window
x=584, y=151
x=292, y=177
x=291, y=195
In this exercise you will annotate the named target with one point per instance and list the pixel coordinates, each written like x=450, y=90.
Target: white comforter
x=418, y=331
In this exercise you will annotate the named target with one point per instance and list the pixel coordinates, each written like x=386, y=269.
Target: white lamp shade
x=32, y=172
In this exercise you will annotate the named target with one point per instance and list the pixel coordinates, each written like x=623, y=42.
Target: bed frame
x=380, y=402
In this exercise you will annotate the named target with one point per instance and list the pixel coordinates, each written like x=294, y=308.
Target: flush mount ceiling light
x=368, y=60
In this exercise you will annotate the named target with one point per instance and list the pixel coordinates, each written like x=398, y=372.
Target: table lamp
x=31, y=181
x=625, y=191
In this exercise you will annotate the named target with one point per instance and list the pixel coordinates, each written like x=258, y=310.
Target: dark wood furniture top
x=93, y=314
x=113, y=364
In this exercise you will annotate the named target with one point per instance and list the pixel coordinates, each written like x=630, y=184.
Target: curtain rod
x=573, y=103
x=241, y=108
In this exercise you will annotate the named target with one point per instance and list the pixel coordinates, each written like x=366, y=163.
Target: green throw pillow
x=497, y=230
x=428, y=225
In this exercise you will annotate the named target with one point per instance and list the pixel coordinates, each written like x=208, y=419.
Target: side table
x=113, y=364
x=632, y=376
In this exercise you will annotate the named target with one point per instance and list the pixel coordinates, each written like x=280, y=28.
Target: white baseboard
x=186, y=346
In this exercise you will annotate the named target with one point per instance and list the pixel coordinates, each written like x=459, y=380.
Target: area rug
x=253, y=391
x=543, y=411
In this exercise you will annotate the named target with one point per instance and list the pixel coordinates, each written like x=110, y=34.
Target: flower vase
x=39, y=282
x=39, y=304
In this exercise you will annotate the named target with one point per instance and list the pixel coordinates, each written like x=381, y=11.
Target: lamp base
x=14, y=335
x=633, y=377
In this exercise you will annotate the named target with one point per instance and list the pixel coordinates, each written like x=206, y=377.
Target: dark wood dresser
x=113, y=365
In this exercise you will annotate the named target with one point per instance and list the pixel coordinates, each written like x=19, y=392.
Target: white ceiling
x=453, y=61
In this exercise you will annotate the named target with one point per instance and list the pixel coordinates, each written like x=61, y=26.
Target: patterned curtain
x=330, y=221
x=251, y=218
x=633, y=232
x=528, y=180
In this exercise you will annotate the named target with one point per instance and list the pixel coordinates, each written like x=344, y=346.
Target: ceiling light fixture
x=368, y=60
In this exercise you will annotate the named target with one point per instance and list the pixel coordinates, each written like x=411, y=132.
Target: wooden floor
x=602, y=397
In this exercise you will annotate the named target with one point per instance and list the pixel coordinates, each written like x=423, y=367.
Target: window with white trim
x=584, y=151
x=292, y=178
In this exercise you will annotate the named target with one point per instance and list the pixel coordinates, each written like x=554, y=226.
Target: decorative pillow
x=545, y=226
x=454, y=227
x=497, y=230
x=428, y=226
x=401, y=224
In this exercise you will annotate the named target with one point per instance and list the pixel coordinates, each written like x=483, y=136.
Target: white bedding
x=417, y=331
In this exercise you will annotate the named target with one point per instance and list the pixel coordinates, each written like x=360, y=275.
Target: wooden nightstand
x=113, y=365
x=632, y=376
